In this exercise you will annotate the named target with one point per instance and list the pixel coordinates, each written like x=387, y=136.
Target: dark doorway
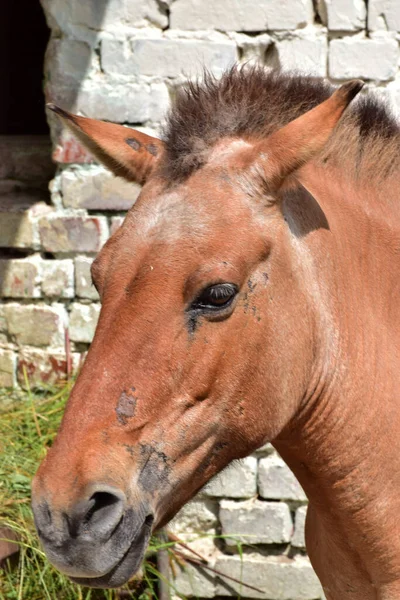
x=25, y=147
x=23, y=39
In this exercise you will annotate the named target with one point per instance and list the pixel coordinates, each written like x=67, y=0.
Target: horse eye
x=216, y=296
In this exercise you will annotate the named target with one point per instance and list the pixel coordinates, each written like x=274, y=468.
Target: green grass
x=28, y=423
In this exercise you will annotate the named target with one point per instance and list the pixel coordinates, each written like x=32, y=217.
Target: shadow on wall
x=26, y=164
x=68, y=60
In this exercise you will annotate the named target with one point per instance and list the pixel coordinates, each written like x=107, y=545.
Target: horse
x=250, y=295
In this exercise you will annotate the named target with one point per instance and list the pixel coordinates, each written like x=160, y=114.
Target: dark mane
x=251, y=102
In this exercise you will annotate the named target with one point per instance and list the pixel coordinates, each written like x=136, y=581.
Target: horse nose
x=94, y=518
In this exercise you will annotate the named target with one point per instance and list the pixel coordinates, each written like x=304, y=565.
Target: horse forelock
x=251, y=102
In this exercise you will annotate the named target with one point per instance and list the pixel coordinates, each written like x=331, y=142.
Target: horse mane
x=251, y=102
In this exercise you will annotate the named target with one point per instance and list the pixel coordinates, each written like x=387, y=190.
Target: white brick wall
x=82, y=321
x=165, y=57
x=384, y=15
x=255, y=522
x=277, y=577
x=345, y=15
x=226, y=483
x=241, y=15
x=275, y=480
x=132, y=102
x=366, y=58
x=307, y=51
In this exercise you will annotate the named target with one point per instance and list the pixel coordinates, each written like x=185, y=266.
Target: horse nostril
x=103, y=506
x=149, y=520
x=98, y=516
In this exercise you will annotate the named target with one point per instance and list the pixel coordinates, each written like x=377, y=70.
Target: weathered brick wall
x=123, y=60
x=258, y=508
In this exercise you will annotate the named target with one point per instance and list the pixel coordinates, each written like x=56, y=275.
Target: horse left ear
x=286, y=150
x=126, y=152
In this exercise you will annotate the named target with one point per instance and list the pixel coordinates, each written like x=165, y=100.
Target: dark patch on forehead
x=126, y=406
x=156, y=469
x=134, y=143
x=152, y=148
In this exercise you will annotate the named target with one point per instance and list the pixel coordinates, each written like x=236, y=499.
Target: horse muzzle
x=99, y=541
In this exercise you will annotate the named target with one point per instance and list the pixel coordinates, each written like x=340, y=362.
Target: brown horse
x=250, y=295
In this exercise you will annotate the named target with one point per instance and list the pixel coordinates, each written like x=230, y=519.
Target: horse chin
x=127, y=566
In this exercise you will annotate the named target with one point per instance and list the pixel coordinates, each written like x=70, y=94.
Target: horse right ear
x=128, y=153
x=289, y=148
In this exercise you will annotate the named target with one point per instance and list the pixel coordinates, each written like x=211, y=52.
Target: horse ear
x=126, y=152
x=292, y=146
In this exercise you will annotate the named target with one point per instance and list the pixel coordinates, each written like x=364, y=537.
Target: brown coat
x=250, y=295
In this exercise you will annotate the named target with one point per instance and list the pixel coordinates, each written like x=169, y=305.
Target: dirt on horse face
x=231, y=315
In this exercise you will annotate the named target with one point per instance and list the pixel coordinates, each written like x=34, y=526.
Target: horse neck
x=344, y=442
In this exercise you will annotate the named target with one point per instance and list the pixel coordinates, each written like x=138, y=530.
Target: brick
x=196, y=524
x=166, y=57
x=61, y=233
x=69, y=151
x=83, y=279
x=383, y=15
x=252, y=47
x=241, y=15
x=19, y=216
x=346, y=15
x=197, y=516
x=97, y=189
x=26, y=158
x=279, y=577
x=82, y=322
x=58, y=278
x=36, y=325
x=194, y=582
x=8, y=363
x=298, y=538
x=140, y=12
x=116, y=222
x=19, y=278
x=308, y=54
x=236, y=481
x=124, y=102
x=276, y=481
x=366, y=58
x=255, y=522
x=44, y=366
x=104, y=14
